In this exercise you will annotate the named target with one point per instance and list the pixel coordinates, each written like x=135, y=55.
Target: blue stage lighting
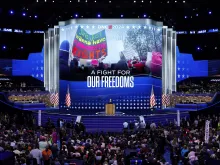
x=98, y=15
x=35, y=16
x=198, y=48
x=145, y=15
x=210, y=12
x=11, y=12
x=76, y=15
x=4, y=47
x=122, y=15
x=185, y=16
x=24, y=14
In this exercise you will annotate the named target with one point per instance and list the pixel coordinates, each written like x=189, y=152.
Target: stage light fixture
x=198, y=48
x=11, y=12
x=210, y=12
x=145, y=15
x=185, y=16
x=98, y=15
x=4, y=47
x=134, y=1
x=76, y=15
x=110, y=1
x=122, y=15
x=24, y=14
x=184, y=1
x=197, y=15
x=142, y=1
x=35, y=16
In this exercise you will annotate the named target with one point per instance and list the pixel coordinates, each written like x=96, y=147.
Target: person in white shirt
x=125, y=125
x=37, y=154
x=153, y=126
x=142, y=125
x=43, y=144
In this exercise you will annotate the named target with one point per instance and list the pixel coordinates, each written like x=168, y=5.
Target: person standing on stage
x=125, y=126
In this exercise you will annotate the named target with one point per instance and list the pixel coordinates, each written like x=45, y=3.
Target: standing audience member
x=47, y=154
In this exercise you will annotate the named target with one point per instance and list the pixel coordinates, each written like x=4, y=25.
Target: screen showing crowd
x=134, y=47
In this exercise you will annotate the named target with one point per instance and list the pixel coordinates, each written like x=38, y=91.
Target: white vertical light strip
x=46, y=61
x=49, y=60
x=168, y=61
x=171, y=60
x=56, y=58
x=174, y=61
x=164, y=65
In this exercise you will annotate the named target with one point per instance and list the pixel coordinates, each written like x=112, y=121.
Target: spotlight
x=98, y=15
x=76, y=15
x=197, y=15
x=35, y=16
x=122, y=15
x=4, y=47
x=198, y=48
x=145, y=15
x=24, y=14
x=22, y=47
x=210, y=12
x=185, y=16
x=11, y=12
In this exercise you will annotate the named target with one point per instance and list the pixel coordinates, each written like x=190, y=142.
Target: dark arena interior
x=109, y=82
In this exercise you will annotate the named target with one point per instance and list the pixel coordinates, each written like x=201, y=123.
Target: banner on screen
x=87, y=48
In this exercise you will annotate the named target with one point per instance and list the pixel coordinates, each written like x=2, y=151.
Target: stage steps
x=109, y=123
x=106, y=123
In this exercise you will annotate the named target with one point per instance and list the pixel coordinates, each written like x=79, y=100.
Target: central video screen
x=131, y=48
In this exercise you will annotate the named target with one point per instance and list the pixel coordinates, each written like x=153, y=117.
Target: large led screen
x=87, y=47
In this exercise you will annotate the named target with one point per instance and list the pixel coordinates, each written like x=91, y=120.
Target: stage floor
x=118, y=113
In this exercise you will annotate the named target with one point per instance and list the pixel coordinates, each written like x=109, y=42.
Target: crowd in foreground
x=153, y=144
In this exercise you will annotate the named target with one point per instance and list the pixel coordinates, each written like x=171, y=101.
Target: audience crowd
x=150, y=143
x=199, y=87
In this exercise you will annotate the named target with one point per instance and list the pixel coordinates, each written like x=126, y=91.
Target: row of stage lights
x=24, y=14
x=4, y=47
x=110, y=1
x=104, y=107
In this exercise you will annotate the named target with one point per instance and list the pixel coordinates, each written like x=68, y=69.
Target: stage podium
x=110, y=108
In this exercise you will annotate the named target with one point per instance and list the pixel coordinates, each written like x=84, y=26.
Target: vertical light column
x=169, y=61
x=46, y=60
x=51, y=60
x=164, y=59
x=56, y=58
x=174, y=61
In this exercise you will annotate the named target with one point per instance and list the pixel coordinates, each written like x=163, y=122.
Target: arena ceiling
x=182, y=15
